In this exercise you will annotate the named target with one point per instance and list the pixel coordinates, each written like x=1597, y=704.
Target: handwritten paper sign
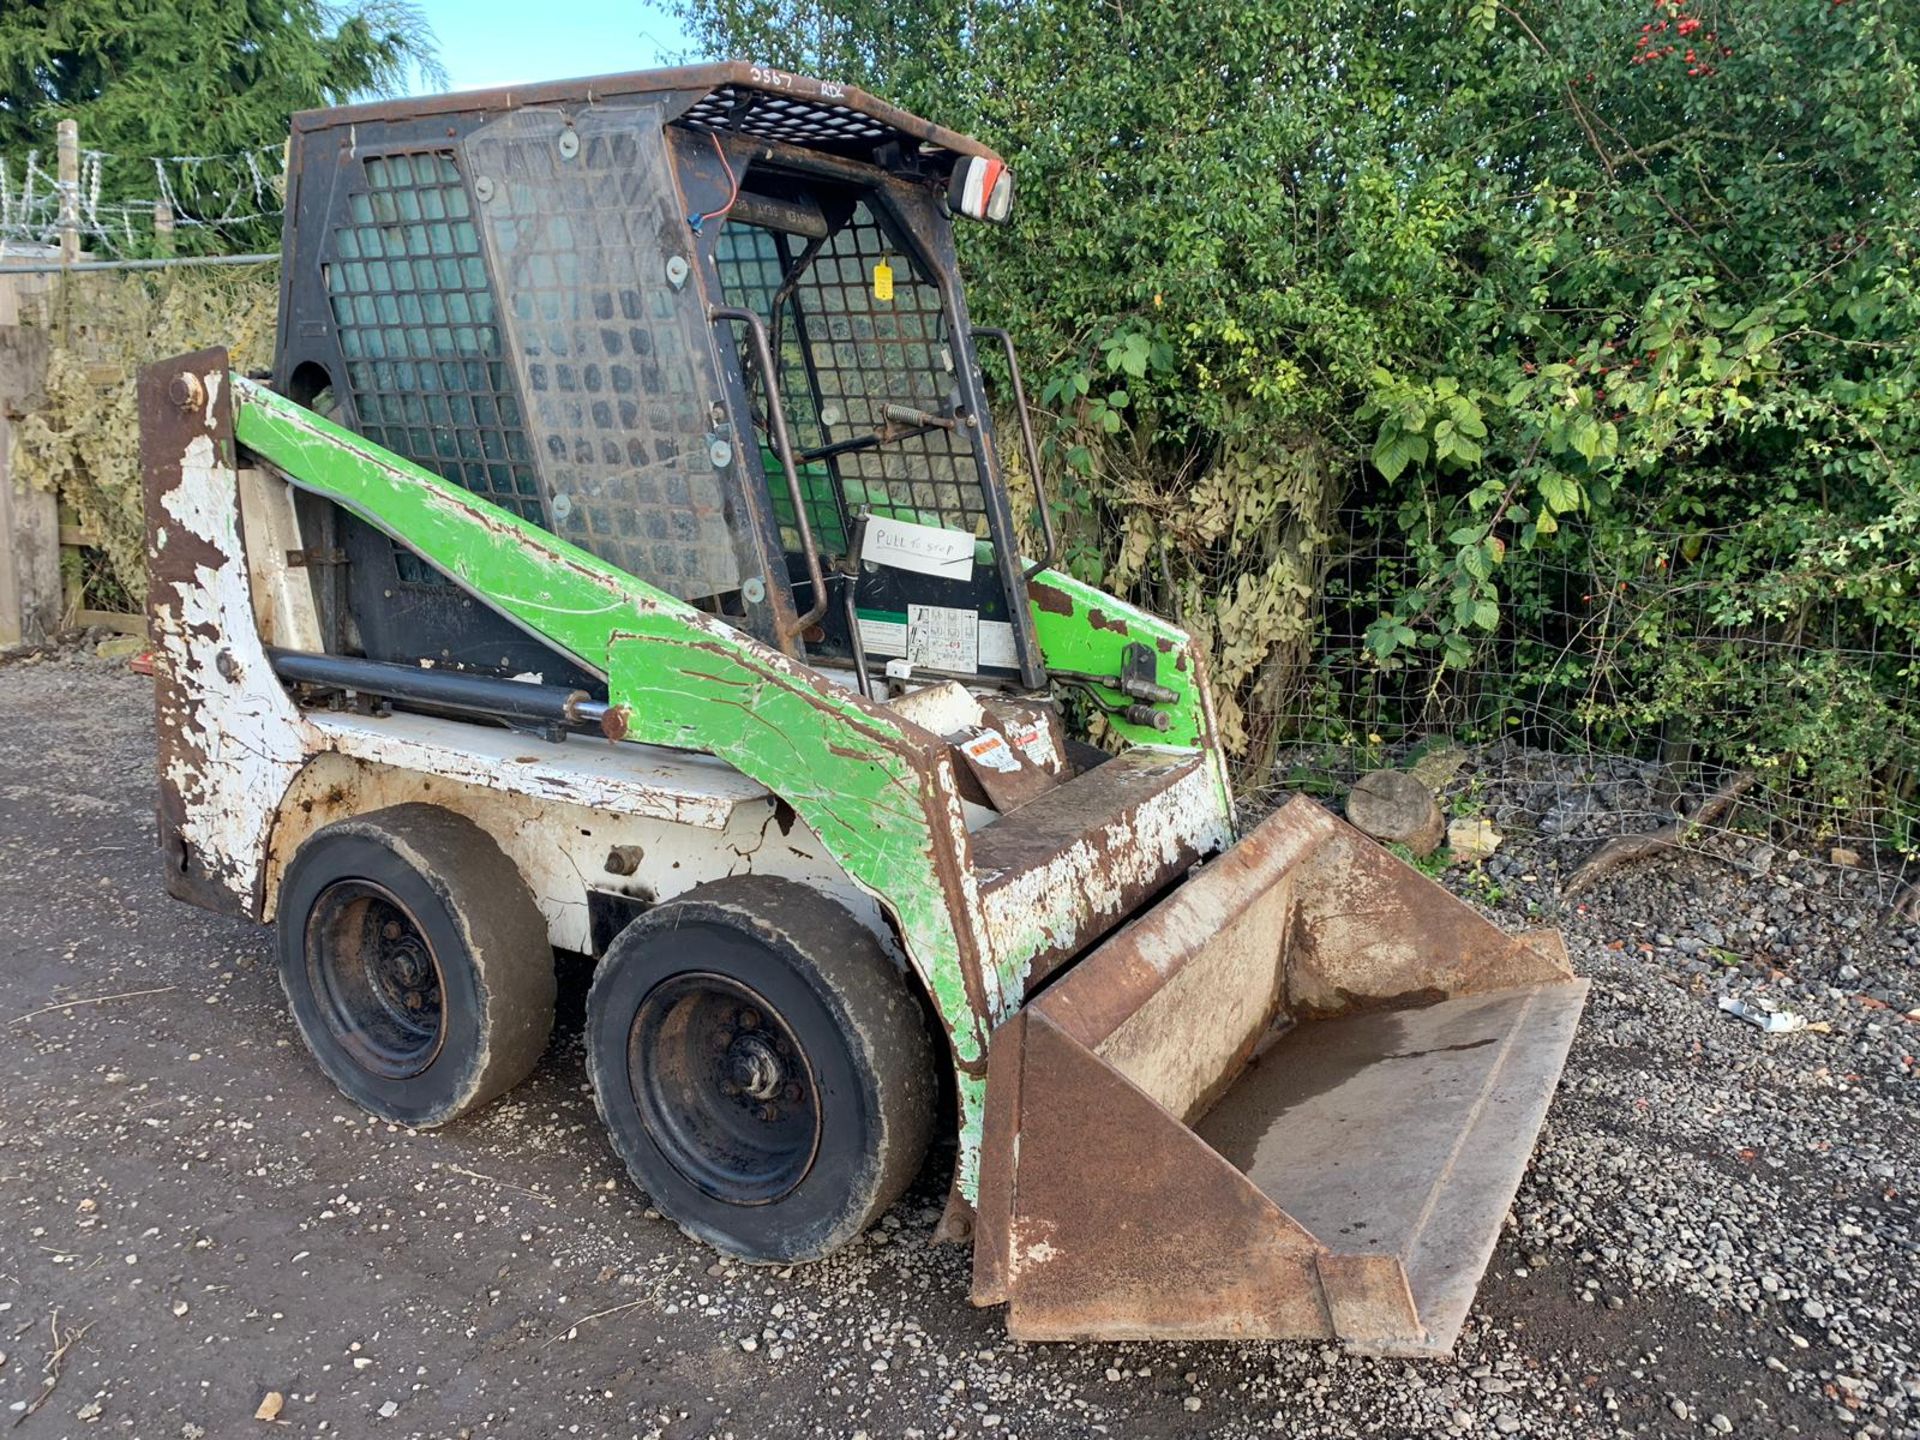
x=926, y=549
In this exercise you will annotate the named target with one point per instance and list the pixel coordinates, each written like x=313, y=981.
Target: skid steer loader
x=619, y=560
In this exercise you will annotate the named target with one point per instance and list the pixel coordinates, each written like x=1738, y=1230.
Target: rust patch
x=1049, y=599
x=1108, y=1219
x=1100, y=620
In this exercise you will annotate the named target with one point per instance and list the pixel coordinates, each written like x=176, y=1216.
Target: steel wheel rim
x=724, y=1088
x=379, y=986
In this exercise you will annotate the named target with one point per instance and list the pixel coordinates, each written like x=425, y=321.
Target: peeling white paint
x=247, y=751
x=1022, y=1251
x=1084, y=889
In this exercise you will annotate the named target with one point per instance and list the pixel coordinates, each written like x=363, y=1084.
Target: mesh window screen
x=603, y=346
x=870, y=353
x=752, y=262
x=866, y=353
x=419, y=335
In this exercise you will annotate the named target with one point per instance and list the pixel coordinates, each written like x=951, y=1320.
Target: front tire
x=415, y=962
x=762, y=1068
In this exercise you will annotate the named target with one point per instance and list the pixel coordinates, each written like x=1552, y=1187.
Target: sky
x=512, y=42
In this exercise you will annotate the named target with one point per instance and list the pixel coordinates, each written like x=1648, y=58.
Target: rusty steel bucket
x=1291, y=1101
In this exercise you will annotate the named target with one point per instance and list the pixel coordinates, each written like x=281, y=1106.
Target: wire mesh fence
x=1623, y=695
x=120, y=205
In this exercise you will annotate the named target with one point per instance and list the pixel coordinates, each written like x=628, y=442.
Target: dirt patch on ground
x=1718, y=1223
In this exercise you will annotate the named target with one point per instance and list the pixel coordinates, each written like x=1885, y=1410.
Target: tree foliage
x=1535, y=279
x=194, y=77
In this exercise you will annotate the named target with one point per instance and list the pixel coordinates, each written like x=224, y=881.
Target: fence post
x=163, y=228
x=67, y=135
x=30, y=601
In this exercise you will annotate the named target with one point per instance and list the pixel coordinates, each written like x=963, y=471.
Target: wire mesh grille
x=862, y=354
x=781, y=117
x=420, y=336
x=870, y=353
x=602, y=347
x=752, y=262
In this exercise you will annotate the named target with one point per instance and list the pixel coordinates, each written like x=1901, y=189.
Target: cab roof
x=732, y=97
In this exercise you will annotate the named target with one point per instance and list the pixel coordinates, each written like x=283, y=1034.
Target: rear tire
x=762, y=1068
x=415, y=962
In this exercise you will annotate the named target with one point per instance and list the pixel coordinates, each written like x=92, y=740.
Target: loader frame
x=880, y=793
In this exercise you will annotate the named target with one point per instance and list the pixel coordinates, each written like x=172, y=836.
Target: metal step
x=1108, y=794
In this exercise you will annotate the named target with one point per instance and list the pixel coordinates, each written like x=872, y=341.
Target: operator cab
x=705, y=323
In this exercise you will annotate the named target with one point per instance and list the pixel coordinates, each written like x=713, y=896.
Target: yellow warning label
x=882, y=281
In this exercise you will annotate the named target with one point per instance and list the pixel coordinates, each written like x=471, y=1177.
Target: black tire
x=416, y=963
x=774, y=990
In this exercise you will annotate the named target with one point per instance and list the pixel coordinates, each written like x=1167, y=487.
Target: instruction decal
x=941, y=638
x=883, y=632
x=990, y=748
x=996, y=645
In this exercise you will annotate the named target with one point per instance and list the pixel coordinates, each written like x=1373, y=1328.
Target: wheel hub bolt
x=411, y=965
x=753, y=1070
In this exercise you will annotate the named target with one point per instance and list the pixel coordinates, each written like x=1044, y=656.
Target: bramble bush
x=1549, y=288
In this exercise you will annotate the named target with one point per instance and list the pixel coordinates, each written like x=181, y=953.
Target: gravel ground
x=1717, y=1236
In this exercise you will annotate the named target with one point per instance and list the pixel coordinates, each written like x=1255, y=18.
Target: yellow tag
x=882, y=281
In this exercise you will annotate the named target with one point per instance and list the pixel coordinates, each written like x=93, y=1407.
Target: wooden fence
x=32, y=599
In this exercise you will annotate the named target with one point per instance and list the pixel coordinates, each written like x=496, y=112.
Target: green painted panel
x=1085, y=629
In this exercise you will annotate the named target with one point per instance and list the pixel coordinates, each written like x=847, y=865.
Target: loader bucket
x=1291, y=1101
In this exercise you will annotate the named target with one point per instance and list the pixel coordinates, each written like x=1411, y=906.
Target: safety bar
x=783, y=443
x=994, y=332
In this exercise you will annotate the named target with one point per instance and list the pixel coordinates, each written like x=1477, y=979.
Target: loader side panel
x=563, y=835
x=217, y=744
